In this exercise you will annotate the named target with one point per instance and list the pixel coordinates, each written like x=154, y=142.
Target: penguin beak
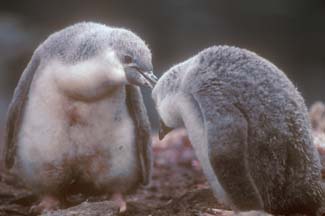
x=150, y=77
x=140, y=77
x=163, y=130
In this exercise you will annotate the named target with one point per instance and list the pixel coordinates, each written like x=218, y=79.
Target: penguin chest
x=103, y=136
x=94, y=140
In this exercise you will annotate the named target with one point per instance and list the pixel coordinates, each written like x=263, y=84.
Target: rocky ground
x=178, y=186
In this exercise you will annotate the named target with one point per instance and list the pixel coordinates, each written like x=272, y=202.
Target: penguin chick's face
x=165, y=97
x=135, y=58
x=136, y=73
x=90, y=60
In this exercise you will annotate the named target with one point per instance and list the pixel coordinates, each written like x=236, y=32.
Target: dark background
x=291, y=34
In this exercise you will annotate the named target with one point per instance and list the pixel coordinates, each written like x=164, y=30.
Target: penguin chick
x=249, y=127
x=77, y=118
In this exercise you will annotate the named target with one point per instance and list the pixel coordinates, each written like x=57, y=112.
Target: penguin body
x=249, y=127
x=77, y=116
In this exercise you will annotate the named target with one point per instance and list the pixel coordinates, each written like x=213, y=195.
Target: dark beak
x=163, y=130
x=150, y=77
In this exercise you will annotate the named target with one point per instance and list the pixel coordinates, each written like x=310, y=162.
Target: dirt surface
x=106, y=208
x=178, y=186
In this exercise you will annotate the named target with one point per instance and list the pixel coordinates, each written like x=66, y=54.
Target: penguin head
x=90, y=60
x=164, y=95
x=134, y=56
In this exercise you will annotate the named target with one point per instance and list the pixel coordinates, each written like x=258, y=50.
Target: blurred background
x=291, y=34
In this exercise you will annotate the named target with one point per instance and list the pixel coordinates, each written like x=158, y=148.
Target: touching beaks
x=163, y=130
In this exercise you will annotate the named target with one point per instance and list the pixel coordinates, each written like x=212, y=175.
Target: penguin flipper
x=139, y=116
x=226, y=135
x=16, y=111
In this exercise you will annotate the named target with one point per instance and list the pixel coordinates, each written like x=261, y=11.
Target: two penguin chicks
x=77, y=116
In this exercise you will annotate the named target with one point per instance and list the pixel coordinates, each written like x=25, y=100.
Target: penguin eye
x=127, y=59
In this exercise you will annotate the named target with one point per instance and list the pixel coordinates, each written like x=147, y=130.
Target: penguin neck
x=102, y=91
x=83, y=82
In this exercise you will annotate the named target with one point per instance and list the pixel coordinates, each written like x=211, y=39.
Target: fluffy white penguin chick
x=77, y=119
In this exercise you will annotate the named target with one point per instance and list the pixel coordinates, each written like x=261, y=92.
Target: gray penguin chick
x=249, y=127
x=77, y=117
